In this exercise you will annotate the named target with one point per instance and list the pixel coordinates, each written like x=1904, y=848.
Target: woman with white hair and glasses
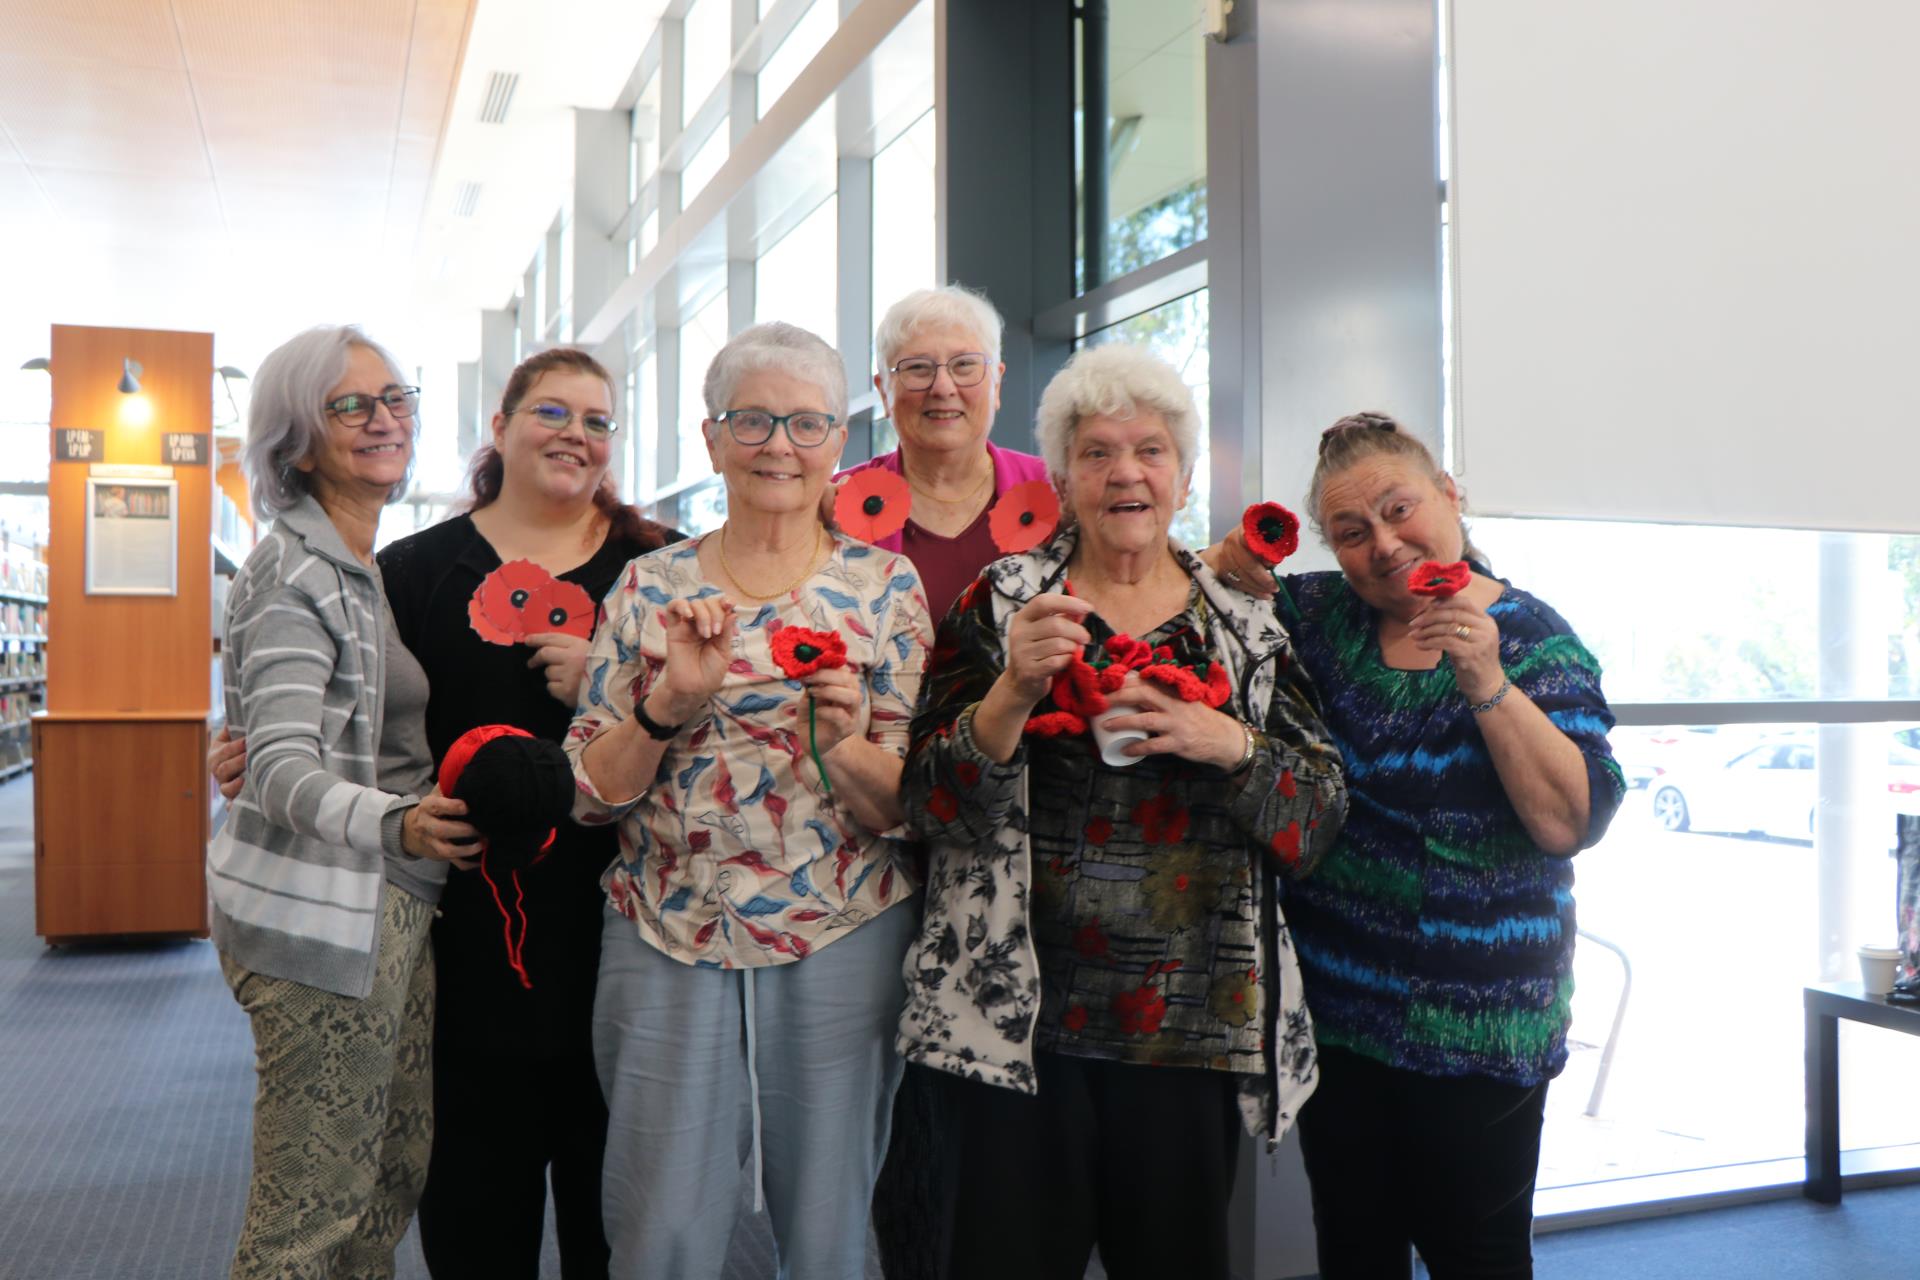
x=743, y=720
x=325, y=876
x=1103, y=979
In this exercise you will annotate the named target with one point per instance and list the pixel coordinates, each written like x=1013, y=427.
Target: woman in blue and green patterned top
x=1436, y=940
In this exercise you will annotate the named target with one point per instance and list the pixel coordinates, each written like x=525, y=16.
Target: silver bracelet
x=1494, y=701
x=1246, y=753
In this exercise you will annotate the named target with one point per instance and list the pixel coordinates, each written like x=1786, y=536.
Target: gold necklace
x=967, y=501
x=806, y=571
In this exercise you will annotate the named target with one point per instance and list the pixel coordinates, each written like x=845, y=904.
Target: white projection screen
x=1687, y=260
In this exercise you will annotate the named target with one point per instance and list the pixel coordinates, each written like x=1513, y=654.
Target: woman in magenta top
x=940, y=373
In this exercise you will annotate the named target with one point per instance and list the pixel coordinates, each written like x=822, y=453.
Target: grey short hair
x=950, y=304
x=1115, y=380
x=781, y=348
x=287, y=418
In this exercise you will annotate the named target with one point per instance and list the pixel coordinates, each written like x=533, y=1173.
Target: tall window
x=1177, y=333
x=797, y=279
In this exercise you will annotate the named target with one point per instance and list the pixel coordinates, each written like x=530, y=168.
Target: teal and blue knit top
x=1436, y=937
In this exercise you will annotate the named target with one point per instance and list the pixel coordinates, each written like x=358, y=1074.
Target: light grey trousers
x=343, y=1119
x=693, y=1060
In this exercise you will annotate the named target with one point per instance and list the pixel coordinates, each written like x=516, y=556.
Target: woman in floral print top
x=745, y=712
x=1084, y=920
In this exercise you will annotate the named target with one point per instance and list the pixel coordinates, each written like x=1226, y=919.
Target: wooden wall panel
x=129, y=653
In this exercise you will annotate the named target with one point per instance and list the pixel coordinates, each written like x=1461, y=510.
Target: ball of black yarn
x=517, y=790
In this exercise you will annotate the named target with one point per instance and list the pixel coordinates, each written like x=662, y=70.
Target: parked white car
x=1768, y=788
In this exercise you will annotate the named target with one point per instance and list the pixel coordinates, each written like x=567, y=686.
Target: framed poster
x=132, y=537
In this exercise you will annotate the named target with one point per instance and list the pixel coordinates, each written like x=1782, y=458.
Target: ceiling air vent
x=500, y=87
x=466, y=200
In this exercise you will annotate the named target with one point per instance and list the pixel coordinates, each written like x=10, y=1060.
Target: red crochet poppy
x=1079, y=689
x=872, y=504
x=1024, y=517
x=1272, y=532
x=1214, y=690
x=1123, y=651
x=1431, y=578
x=1056, y=724
x=800, y=652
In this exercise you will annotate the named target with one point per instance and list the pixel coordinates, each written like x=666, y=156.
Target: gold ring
x=1463, y=631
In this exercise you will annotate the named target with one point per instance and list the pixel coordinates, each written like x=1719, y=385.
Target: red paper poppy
x=499, y=604
x=1024, y=517
x=872, y=504
x=560, y=606
x=1272, y=532
x=800, y=652
x=1431, y=578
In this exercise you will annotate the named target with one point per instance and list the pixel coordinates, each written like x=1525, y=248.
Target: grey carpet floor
x=126, y=1088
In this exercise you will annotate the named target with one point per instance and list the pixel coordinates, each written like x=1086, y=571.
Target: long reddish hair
x=488, y=468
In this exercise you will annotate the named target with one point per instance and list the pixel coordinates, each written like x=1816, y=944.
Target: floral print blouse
x=736, y=856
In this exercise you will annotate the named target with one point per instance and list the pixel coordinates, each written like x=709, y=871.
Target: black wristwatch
x=655, y=730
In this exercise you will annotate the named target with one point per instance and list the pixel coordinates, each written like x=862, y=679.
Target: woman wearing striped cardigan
x=324, y=877
x=1436, y=940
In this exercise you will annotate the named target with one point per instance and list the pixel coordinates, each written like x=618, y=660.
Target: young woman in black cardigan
x=515, y=1094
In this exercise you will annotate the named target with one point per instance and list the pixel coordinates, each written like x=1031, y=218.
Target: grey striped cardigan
x=297, y=873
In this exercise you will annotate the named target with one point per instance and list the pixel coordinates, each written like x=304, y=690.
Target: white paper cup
x=1110, y=741
x=1878, y=968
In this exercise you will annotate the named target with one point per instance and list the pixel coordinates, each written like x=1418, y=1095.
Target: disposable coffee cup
x=1110, y=740
x=1878, y=968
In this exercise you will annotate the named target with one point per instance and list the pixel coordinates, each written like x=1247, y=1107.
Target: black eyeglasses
x=755, y=426
x=918, y=373
x=555, y=417
x=355, y=409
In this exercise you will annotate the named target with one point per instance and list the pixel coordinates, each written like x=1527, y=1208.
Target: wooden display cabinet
x=119, y=825
x=120, y=807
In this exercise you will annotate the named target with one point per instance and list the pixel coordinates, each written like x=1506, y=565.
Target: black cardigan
x=482, y=1009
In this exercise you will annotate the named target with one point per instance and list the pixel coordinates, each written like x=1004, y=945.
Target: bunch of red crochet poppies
x=1080, y=692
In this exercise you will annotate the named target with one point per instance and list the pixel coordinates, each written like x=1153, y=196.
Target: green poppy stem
x=813, y=743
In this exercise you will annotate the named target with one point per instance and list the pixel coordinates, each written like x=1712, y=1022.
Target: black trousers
x=913, y=1199
x=1139, y=1160
x=498, y=1127
x=1446, y=1165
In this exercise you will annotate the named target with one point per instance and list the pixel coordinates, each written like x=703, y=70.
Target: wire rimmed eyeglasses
x=355, y=409
x=917, y=373
x=755, y=426
x=556, y=417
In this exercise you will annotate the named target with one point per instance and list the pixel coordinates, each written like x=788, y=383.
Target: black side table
x=1826, y=1004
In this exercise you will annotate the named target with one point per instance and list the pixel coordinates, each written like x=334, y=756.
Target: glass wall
x=1144, y=68
x=1177, y=332
x=797, y=280
x=1751, y=856
x=777, y=244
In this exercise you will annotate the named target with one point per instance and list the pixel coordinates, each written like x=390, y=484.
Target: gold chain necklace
x=805, y=572
x=967, y=501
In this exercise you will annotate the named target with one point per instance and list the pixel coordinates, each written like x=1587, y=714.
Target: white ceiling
x=251, y=167
x=248, y=168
